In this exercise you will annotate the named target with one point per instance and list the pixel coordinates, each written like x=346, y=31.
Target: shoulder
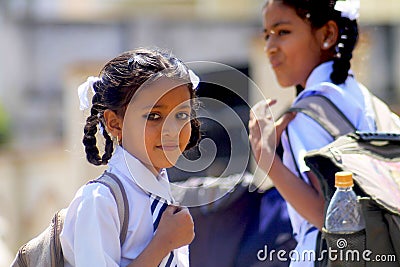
x=92, y=196
x=138, y=199
x=95, y=189
x=92, y=203
x=307, y=133
x=350, y=88
x=326, y=89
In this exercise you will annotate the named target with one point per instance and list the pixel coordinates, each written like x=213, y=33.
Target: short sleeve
x=90, y=236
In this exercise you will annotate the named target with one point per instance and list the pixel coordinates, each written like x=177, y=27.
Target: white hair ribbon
x=349, y=8
x=194, y=79
x=83, y=92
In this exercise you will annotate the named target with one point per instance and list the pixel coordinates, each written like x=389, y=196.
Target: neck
x=154, y=170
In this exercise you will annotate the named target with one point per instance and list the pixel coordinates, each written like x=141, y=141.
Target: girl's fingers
x=171, y=209
x=174, y=209
x=271, y=102
x=261, y=108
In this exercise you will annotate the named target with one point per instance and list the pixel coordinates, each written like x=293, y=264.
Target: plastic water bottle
x=344, y=213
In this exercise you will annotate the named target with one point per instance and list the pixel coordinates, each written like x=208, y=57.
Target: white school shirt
x=305, y=135
x=90, y=236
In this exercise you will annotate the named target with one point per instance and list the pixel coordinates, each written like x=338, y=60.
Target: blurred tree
x=4, y=126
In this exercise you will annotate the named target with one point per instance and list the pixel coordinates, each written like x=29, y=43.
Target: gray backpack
x=374, y=160
x=45, y=249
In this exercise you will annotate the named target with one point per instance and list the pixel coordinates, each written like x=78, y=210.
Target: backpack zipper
x=21, y=260
x=56, y=241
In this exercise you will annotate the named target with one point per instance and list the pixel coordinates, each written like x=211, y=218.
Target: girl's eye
x=283, y=32
x=182, y=116
x=152, y=116
x=275, y=32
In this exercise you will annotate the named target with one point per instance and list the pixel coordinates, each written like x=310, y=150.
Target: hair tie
x=348, y=8
x=194, y=79
x=83, y=90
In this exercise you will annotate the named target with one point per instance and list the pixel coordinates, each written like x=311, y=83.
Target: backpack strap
x=386, y=120
x=325, y=113
x=118, y=191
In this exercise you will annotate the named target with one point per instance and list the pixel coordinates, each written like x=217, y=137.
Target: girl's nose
x=271, y=43
x=171, y=127
x=270, y=47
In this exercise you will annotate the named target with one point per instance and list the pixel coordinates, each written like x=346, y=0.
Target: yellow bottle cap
x=343, y=179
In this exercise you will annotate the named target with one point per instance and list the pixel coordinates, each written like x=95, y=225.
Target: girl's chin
x=285, y=84
x=167, y=163
x=284, y=81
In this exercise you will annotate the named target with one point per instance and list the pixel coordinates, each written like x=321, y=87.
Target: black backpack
x=374, y=160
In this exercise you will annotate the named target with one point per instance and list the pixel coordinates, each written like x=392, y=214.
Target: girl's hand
x=176, y=228
x=262, y=134
x=265, y=133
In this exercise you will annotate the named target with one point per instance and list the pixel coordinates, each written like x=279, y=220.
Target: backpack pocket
x=344, y=249
x=382, y=234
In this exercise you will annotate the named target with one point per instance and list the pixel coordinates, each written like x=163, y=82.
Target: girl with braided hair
x=309, y=44
x=144, y=107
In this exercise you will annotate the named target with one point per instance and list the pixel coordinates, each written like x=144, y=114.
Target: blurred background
x=49, y=47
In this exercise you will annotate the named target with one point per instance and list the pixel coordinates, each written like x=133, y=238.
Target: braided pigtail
x=348, y=36
x=194, y=122
x=93, y=123
x=89, y=140
x=109, y=146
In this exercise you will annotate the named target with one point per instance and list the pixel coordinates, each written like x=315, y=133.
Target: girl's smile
x=168, y=147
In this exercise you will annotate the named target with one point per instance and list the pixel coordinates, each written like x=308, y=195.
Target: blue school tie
x=158, y=206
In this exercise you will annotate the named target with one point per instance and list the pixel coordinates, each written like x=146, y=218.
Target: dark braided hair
x=119, y=80
x=318, y=13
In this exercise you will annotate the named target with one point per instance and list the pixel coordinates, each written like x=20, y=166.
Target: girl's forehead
x=278, y=13
x=277, y=9
x=171, y=92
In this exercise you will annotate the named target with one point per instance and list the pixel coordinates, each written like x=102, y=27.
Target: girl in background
x=309, y=44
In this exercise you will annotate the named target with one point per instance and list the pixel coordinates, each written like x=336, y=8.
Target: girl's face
x=293, y=48
x=157, y=129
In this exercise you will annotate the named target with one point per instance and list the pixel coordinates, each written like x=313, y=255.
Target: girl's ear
x=113, y=123
x=329, y=35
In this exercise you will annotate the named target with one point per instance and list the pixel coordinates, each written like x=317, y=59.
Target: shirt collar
x=320, y=74
x=141, y=175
